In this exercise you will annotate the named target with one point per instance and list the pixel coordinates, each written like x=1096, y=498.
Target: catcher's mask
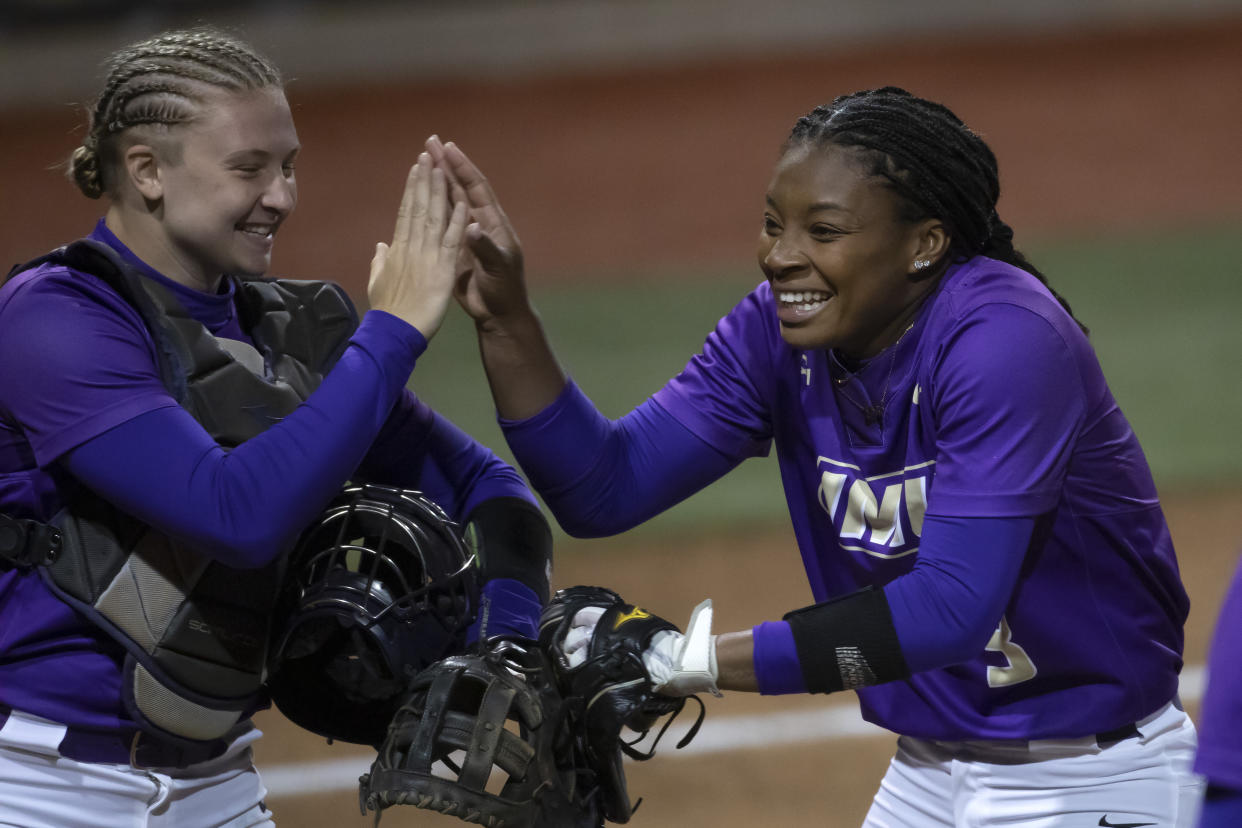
x=379, y=587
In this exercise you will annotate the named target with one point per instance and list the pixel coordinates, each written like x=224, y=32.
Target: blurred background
x=631, y=144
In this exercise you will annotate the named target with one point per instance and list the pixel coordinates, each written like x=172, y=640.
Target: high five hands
x=413, y=278
x=492, y=285
x=521, y=369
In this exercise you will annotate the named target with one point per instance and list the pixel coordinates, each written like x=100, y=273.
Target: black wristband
x=512, y=540
x=847, y=642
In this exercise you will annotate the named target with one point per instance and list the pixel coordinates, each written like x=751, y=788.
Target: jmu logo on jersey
x=881, y=515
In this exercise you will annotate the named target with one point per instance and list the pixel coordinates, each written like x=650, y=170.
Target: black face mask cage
x=387, y=552
x=380, y=587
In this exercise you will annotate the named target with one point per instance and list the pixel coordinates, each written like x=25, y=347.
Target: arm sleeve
x=943, y=611
x=600, y=476
x=244, y=506
x=420, y=449
x=946, y=608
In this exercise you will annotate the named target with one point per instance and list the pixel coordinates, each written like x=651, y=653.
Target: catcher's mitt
x=483, y=738
x=611, y=688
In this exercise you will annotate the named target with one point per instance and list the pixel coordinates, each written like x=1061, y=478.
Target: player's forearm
x=243, y=506
x=945, y=609
x=522, y=371
x=696, y=661
x=601, y=477
x=834, y=645
x=735, y=661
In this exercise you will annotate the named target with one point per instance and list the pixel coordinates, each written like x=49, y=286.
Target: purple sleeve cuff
x=776, y=659
x=383, y=333
x=506, y=607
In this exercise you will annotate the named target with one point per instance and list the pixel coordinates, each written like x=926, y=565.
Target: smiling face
x=220, y=186
x=838, y=254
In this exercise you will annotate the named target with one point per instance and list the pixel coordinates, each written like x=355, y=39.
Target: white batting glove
x=682, y=664
x=581, y=630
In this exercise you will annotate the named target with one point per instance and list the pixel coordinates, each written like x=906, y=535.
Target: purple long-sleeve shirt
x=81, y=402
x=999, y=425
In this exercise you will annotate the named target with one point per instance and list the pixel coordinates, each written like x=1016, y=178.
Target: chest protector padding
x=195, y=630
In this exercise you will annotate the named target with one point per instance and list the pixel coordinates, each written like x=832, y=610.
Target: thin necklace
x=873, y=414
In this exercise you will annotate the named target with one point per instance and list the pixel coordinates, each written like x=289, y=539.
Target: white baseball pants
x=39, y=788
x=1145, y=780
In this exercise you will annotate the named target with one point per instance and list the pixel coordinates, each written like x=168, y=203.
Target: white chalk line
x=719, y=735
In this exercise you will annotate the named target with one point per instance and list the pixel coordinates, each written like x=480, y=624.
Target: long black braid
x=938, y=166
x=161, y=81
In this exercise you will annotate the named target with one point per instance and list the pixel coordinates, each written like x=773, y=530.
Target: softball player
x=1219, y=758
x=992, y=569
x=194, y=146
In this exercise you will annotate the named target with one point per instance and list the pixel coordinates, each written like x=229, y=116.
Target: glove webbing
x=487, y=734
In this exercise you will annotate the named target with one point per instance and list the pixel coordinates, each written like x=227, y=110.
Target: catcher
x=170, y=421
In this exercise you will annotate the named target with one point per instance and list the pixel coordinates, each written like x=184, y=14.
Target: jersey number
x=1020, y=667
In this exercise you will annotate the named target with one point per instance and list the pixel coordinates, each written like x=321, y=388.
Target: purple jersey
x=46, y=648
x=54, y=663
x=1220, y=724
x=994, y=405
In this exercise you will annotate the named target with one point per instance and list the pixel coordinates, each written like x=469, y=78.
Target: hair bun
x=84, y=168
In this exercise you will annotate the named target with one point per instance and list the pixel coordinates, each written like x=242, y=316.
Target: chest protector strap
x=195, y=631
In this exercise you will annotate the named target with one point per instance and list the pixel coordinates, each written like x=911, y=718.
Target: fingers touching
x=439, y=156
x=451, y=239
x=413, y=277
x=467, y=183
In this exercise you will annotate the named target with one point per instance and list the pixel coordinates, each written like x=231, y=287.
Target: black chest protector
x=195, y=631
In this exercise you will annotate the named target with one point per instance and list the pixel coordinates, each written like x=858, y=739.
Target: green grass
x=1162, y=311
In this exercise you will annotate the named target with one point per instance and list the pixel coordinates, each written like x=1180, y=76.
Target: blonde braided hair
x=161, y=81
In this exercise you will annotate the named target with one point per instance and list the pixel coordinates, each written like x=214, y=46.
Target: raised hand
x=413, y=278
x=492, y=286
x=521, y=369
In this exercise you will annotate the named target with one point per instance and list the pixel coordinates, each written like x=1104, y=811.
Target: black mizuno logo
x=1106, y=824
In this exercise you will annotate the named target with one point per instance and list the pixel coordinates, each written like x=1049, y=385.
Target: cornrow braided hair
x=161, y=81
x=936, y=164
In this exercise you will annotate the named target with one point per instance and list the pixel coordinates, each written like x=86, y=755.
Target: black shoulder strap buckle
x=27, y=543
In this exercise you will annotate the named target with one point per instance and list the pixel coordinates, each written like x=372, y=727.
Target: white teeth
x=803, y=300
x=264, y=230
